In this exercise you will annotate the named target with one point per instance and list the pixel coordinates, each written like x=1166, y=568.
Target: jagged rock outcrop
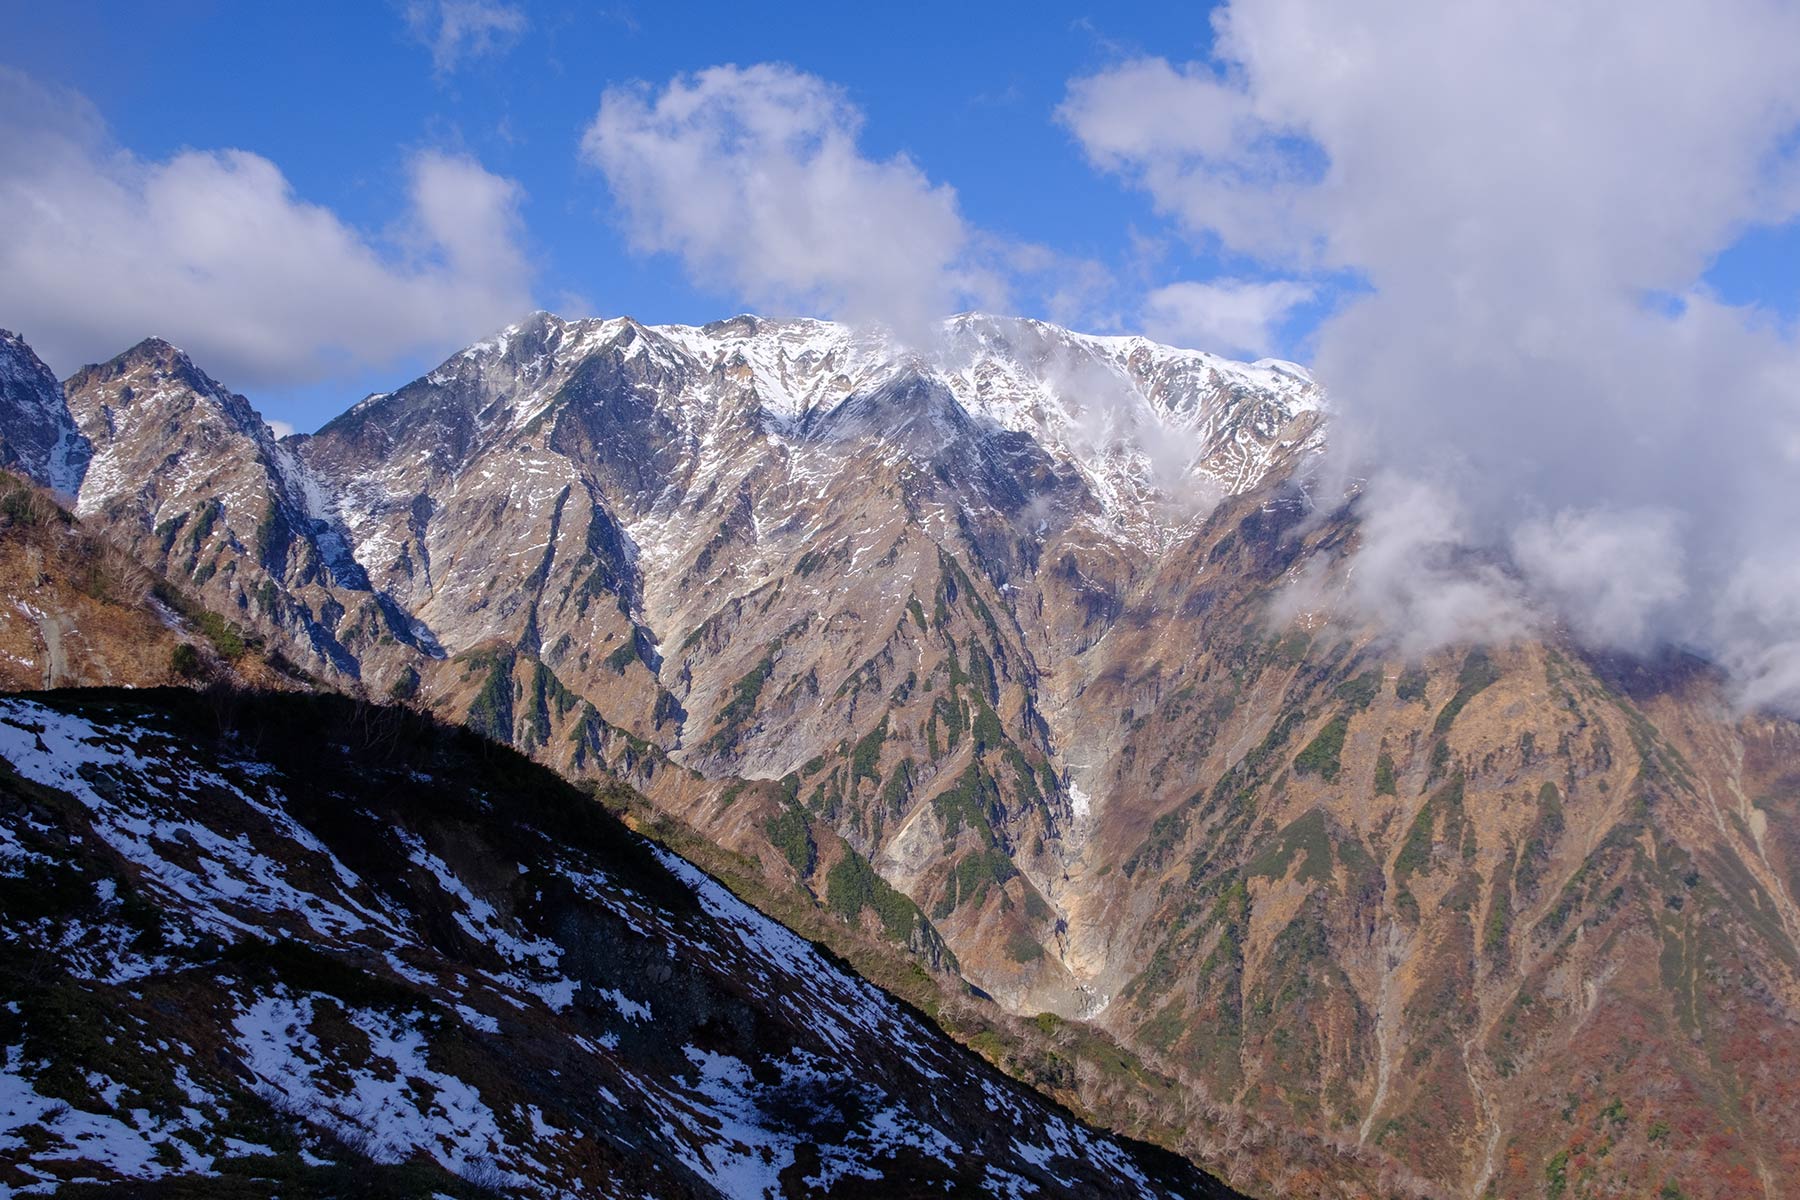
x=190, y=477
x=38, y=438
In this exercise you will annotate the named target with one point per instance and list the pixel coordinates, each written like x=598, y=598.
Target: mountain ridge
x=974, y=693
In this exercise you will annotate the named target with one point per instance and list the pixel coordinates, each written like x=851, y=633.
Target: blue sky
x=342, y=99
x=338, y=94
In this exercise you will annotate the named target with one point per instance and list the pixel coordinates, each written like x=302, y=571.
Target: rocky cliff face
x=977, y=647
x=1494, y=915
x=37, y=437
x=189, y=476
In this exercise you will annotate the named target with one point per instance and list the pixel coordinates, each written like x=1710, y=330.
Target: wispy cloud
x=458, y=30
x=1226, y=316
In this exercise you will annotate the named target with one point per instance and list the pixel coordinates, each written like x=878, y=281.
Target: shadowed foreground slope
x=295, y=945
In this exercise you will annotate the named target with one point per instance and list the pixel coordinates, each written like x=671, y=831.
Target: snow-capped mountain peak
x=1137, y=420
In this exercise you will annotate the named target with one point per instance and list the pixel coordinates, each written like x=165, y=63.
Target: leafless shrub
x=25, y=504
x=125, y=579
x=487, y=1175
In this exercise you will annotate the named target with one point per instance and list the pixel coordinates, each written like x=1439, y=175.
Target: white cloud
x=1227, y=316
x=1196, y=142
x=753, y=177
x=214, y=251
x=1518, y=184
x=457, y=30
x=1616, y=575
x=1757, y=611
x=1416, y=573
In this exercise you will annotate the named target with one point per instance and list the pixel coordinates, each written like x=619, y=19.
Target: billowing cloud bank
x=1556, y=420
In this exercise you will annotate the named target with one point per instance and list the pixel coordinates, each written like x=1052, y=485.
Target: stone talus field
x=978, y=649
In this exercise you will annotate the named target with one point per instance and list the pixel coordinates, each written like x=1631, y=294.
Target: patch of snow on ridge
x=398, y=1103
x=730, y=1139
x=1136, y=418
x=1080, y=807
x=477, y=917
x=142, y=1148
x=766, y=944
x=226, y=880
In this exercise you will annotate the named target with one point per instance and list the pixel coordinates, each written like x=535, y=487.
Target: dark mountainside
x=299, y=946
x=951, y=664
x=37, y=436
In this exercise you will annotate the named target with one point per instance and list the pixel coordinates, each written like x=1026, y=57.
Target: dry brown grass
x=77, y=607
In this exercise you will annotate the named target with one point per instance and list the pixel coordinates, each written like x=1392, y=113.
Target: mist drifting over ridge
x=1534, y=369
